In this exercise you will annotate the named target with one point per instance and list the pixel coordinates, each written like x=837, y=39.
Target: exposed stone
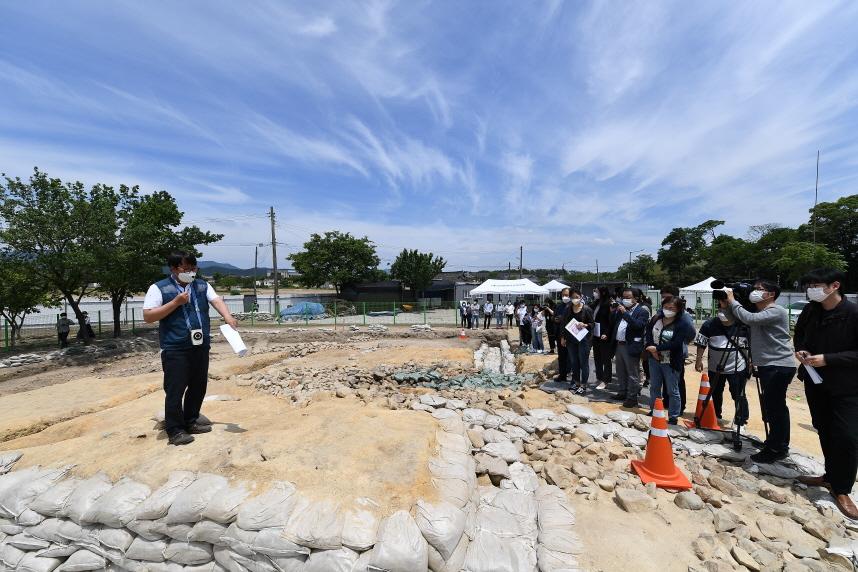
x=745, y=559
x=476, y=438
x=725, y=521
x=517, y=405
x=557, y=475
x=725, y=487
x=801, y=550
x=585, y=470
x=704, y=546
x=821, y=528
x=688, y=500
x=606, y=484
x=631, y=500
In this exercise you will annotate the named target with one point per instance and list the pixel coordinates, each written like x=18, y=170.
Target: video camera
x=741, y=291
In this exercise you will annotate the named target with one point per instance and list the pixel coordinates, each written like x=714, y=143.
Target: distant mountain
x=210, y=263
x=230, y=270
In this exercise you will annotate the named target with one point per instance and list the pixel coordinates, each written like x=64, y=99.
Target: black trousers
x=835, y=418
x=464, y=320
x=64, y=339
x=186, y=375
x=774, y=380
x=487, y=321
x=563, y=365
x=509, y=320
x=602, y=355
x=552, y=337
x=736, y=382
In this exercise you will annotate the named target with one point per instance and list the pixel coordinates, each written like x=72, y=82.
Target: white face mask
x=628, y=303
x=565, y=299
x=186, y=277
x=669, y=313
x=576, y=301
x=817, y=294
x=595, y=295
x=756, y=296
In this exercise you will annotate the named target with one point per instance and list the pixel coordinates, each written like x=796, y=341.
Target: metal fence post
x=394, y=313
x=424, y=313
x=335, y=314
x=5, y=333
x=133, y=322
x=99, y=322
x=364, y=313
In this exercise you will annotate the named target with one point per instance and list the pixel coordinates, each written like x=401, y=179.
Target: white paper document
x=813, y=374
x=577, y=329
x=234, y=339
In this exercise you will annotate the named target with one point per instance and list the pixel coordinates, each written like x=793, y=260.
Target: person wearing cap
x=727, y=341
x=826, y=339
x=180, y=305
x=63, y=329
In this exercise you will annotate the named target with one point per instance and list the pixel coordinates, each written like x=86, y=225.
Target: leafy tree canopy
x=337, y=258
x=416, y=269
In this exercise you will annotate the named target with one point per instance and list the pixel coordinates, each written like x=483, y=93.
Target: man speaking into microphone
x=180, y=305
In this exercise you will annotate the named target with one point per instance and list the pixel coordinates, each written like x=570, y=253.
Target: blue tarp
x=303, y=309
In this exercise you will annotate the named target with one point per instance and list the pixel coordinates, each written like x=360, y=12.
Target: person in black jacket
x=665, y=337
x=560, y=319
x=632, y=319
x=826, y=339
x=550, y=326
x=603, y=344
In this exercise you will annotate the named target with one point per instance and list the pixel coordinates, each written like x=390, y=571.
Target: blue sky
x=578, y=130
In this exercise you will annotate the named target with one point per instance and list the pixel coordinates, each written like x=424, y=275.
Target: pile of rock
x=254, y=316
x=82, y=353
x=22, y=359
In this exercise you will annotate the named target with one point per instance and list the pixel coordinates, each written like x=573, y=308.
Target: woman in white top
x=510, y=313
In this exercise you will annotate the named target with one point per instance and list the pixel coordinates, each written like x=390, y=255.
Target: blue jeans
x=499, y=320
x=579, y=359
x=537, y=339
x=664, y=377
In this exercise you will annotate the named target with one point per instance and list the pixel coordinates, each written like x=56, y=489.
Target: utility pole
x=597, y=271
x=255, y=266
x=815, y=196
x=520, y=259
x=274, y=264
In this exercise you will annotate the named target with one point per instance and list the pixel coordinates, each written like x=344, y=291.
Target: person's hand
x=652, y=350
x=698, y=366
x=183, y=298
x=232, y=322
x=563, y=342
x=815, y=361
x=621, y=309
x=603, y=337
x=802, y=356
x=730, y=297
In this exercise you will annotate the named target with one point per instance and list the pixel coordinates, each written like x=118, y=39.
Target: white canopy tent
x=702, y=286
x=522, y=287
x=555, y=286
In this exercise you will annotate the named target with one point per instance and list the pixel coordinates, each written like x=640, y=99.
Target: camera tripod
x=720, y=378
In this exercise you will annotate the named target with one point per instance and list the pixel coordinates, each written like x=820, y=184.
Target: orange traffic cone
x=658, y=466
x=462, y=335
x=707, y=417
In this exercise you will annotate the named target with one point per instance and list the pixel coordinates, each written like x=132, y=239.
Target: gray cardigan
x=770, y=338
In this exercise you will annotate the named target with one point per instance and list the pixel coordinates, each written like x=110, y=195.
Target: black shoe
x=581, y=390
x=180, y=438
x=630, y=403
x=196, y=428
x=671, y=421
x=619, y=397
x=767, y=456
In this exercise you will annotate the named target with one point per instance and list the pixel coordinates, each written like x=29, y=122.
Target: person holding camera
x=772, y=355
x=664, y=344
x=180, y=305
x=826, y=339
x=727, y=342
x=632, y=319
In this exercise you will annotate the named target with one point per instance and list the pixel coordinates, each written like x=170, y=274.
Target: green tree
x=337, y=258
x=766, y=250
x=20, y=294
x=147, y=231
x=837, y=228
x=795, y=259
x=416, y=269
x=729, y=258
x=64, y=229
x=683, y=247
x=643, y=268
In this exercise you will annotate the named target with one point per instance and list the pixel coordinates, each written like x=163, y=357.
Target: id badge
x=197, y=337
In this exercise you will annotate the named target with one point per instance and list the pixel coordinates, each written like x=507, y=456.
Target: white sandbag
x=10, y=527
x=188, y=553
x=457, y=559
x=489, y=553
x=239, y=540
x=209, y=567
x=315, y=524
x=270, y=509
x=521, y=505
x=147, y=550
x=254, y=563
x=289, y=563
x=84, y=496
x=526, y=423
x=34, y=563
x=58, y=551
x=442, y=525
x=452, y=425
x=514, y=432
x=436, y=562
x=26, y=542
x=8, y=460
x=474, y=416
x=20, y=492
x=69, y=531
x=10, y=556
x=360, y=525
x=207, y=531
x=117, y=506
x=493, y=421
x=225, y=506
x=29, y=518
x=444, y=413
x=432, y=400
x=272, y=542
x=551, y=561
x=179, y=531
x=190, y=503
x=164, y=567
x=143, y=528
x=505, y=450
x=494, y=436
x=362, y=563
x=454, y=491
x=523, y=477
x=453, y=441
x=158, y=503
x=340, y=560
x=114, y=538
x=52, y=502
x=400, y=547
x=48, y=530
x=82, y=561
